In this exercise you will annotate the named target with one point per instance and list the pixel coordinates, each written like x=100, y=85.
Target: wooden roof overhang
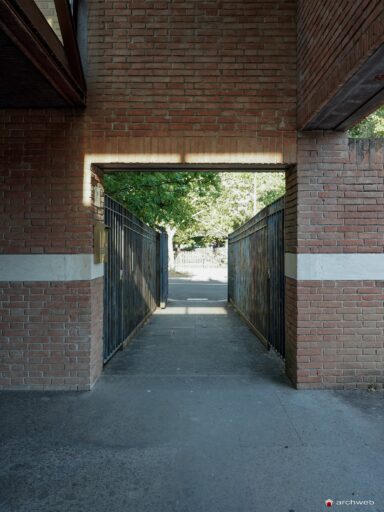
x=38, y=69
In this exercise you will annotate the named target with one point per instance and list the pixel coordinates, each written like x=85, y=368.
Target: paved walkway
x=195, y=416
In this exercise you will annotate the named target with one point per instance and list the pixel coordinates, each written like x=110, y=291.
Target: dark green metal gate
x=134, y=277
x=256, y=274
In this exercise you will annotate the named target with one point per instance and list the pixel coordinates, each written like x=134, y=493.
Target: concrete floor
x=195, y=416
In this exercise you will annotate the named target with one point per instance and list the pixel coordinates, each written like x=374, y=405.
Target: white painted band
x=334, y=267
x=49, y=267
x=80, y=267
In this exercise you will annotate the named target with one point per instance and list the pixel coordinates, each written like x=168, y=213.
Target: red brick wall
x=193, y=69
x=42, y=159
x=97, y=314
x=45, y=332
x=291, y=210
x=214, y=79
x=340, y=334
x=335, y=328
x=47, y=7
x=178, y=82
x=291, y=329
x=334, y=38
x=340, y=195
x=167, y=82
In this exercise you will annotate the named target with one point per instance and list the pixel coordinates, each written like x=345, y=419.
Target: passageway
x=197, y=334
x=116, y=119
x=194, y=416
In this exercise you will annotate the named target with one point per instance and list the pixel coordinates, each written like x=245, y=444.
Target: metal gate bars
x=256, y=274
x=135, y=274
x=162, y=269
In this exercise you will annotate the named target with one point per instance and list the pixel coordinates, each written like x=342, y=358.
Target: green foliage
x=371, y=127
x=242, y=194
x=163, y=198
x=201, y=206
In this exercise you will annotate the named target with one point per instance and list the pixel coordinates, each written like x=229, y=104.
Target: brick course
x=192, y=68
x=179, y=82
x=337, y=336
x=41, y=183
x=45, y=335
x=97, y=317
x=335, y=198
x=334, y=39
x=167, y=81
x=335, y=329
x=47, y=7
x=215, y=81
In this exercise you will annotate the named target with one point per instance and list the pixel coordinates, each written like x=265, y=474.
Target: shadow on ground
x=195, y=416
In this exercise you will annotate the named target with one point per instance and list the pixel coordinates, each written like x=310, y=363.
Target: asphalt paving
x=195, y=415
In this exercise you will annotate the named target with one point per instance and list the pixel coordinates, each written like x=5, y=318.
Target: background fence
x=205, y=257
x=135, y=274
x=256, y=274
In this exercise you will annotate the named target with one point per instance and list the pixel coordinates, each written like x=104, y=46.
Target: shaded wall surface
x=168, y=82
x=334, y=263
x=334, y=40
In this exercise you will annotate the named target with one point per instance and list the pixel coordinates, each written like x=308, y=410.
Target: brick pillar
x=335, y=264
x=50, y=288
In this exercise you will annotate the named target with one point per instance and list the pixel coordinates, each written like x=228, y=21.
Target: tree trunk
x=171, y=255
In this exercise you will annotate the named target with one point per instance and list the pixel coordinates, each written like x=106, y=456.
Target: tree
x=371, y=127
x=191, y=205
x=167, y=199
x=242, y=194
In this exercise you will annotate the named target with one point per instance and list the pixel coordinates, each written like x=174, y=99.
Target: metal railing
x=256, y=274
x=135, y=274
x=206, y=257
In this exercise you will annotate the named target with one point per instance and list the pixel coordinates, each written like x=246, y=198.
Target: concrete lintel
x=49, y=267
x=335, y=267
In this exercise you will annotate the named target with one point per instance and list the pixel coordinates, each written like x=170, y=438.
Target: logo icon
x=328, y=503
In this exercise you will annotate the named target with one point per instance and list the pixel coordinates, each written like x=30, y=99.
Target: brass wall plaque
x=100, y=243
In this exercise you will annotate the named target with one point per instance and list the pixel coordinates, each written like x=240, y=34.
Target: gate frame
x=103, y=166
x=265, y=222
x=162, y=269
x=122, y=253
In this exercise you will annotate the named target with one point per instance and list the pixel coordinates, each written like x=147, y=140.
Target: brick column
x=50, y=288
x=335, y=263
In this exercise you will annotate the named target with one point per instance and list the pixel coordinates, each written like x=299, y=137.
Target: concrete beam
x=49, y=267
x=334, y=267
